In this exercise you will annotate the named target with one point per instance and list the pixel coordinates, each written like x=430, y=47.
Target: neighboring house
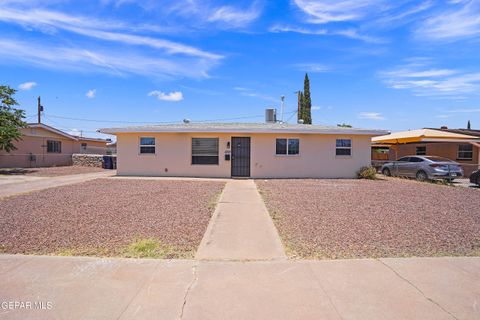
x=45, y=146
x=257, y=150
x=458, y=145
x=112, y=148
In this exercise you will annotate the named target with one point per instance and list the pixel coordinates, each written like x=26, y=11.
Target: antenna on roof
x=282, y=98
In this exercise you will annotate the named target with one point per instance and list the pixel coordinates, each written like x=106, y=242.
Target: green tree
x=468, y=125
x=11, y=119
x=307, y=105
x=344, y=125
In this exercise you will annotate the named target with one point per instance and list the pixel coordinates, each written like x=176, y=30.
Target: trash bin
x=107, y=162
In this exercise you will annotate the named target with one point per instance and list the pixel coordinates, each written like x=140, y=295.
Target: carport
x=462, y=148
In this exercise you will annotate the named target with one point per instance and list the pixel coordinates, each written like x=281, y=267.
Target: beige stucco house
x=257, y=150
x=44, y=146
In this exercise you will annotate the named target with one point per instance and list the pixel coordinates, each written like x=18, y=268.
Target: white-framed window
x=205, y=151
x=421, y=150
x=287, y=147
x=83, y=146
x=147, y=145
x=343, y=147
x=54, y=146
x=465, y=152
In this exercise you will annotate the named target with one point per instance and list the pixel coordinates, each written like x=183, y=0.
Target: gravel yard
x=50, y=171
x=363, y=218
x=103, y=216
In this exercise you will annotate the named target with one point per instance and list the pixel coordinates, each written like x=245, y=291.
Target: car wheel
x=421, y=175
x=386, y=172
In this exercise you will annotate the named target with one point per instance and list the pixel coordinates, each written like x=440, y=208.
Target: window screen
x=205, y=151
x=54, y=146
x=147, y=145
x=287, y=146
x=343, y=147
x=465, y=152
x=421, y=151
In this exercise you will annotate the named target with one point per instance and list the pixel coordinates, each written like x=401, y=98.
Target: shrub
x=367, y=173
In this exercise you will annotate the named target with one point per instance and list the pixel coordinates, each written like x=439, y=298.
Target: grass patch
x=152, y=248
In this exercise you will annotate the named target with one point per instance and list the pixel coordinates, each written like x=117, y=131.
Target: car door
x=411, y=168
x=399, y=166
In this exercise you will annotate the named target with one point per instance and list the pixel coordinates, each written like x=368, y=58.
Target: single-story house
x=44, y=146
x=457, y=145
x=257, y=150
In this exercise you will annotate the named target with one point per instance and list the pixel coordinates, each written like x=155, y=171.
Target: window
x=343, y=147
x=147, y=145
x=204, y=150
x=415, y=159
x=84, y=147
x=54, y=146
x=421, y=151
x=404, y=159
x=465, y=152
x=289, y=147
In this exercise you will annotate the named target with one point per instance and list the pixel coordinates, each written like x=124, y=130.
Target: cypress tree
x=468, y=125
x=307, y=105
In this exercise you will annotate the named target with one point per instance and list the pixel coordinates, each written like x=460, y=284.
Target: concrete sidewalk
x=92, y=288
x=29, y=184
x=241, y=228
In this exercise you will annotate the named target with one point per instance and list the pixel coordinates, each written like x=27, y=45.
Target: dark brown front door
x=240, y=157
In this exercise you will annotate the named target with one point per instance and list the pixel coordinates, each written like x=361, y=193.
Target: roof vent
x=444, y=127
x=270, y=115
x=186, y=121
x=300, y=121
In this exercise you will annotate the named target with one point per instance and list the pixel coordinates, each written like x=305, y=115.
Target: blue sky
x=372, y=63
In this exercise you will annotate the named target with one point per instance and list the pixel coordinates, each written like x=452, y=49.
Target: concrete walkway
x=29, y=184
x=90, y=288
x=241, y=228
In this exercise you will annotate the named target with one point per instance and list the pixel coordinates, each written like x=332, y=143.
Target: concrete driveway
x=90, y=288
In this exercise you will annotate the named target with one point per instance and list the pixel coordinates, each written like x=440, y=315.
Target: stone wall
x=87, y=160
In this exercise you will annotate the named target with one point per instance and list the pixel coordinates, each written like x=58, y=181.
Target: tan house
x=44, y=146
x=462, y=146
x=257, y=150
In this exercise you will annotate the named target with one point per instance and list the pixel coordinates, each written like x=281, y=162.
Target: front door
x=240, y=157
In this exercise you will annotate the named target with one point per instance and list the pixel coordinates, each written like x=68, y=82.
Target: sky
x=394, y=65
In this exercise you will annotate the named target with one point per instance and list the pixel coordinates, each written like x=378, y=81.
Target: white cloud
x=167, y=58
x=234, y=17
x=50, y=56
x=171, y=96
x=311, y=67
x=253, y=94
x=464, y=110
x=27, y=86
x=371, y=116
x=348, y=33
x=326, y=11
x=426, y=81
x=462, y=20
x=91, y=93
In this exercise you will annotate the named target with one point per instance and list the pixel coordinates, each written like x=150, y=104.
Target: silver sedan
x=423, y=168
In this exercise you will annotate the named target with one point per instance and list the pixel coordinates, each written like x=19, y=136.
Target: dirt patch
x=361, y=218
x=104, y=216
x=50, y=171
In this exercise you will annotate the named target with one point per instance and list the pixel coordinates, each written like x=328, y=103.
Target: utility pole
x=299, y=108
x=39, y=110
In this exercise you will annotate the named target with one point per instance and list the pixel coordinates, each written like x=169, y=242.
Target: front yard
x=110, y=217
x=384, y=218
x=49, y=171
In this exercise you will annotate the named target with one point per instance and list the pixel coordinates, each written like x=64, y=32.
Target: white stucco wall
x=173, y=156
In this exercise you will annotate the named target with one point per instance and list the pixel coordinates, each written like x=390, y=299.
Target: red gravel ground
x=362, y=218
x=102, y=216
x=49, y=171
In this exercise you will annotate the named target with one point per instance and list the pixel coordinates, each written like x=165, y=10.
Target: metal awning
x=423, y=135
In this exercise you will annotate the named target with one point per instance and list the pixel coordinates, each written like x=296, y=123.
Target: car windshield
x=438, y=159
